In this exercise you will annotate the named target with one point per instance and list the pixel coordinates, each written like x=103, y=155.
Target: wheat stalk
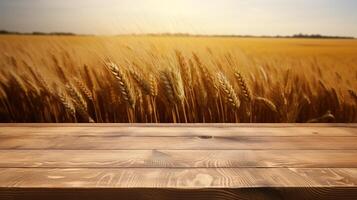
x=228, y=91
x=68, y=105
x=173, y=86
x=142, y=83
x=206, y=75
x=84, y=89
x=266, y=102
x=126, y=90
x=153, y=86
x=243, y=87
x=79, y=103
x=178, y=85
x=77, y=97
x=88, y=77
x=165, y=77
x=185, y=68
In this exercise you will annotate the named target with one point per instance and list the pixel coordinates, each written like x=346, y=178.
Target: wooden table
x=111, y=161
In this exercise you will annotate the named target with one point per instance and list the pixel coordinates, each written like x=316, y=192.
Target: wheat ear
x=185, y=68
x=266, y=102
x=153, y=86
x=243, y=86
x=84, y=89
x=79, y=103
x=77, y=97
x=205, y=74
x=126, y=89
x=173, y=86
x=228, y=91
x=178, y=85
x=67, y=104
x=142, y=83
x=169, y=90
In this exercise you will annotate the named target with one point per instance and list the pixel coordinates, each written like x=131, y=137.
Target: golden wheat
x=126, y=89
x=67, y=105
x=175, y=79
x=243, y=86
x=228, y=91
x=173, y=86
x=266, y=102
x=144, y=85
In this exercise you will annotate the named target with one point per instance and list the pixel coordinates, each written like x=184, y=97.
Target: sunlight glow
x=257, y=17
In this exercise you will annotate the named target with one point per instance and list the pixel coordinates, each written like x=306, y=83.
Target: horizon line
x=298, y=35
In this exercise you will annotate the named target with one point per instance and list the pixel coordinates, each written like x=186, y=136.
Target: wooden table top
x=148, y=161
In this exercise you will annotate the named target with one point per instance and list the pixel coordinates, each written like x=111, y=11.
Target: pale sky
x=253, y=17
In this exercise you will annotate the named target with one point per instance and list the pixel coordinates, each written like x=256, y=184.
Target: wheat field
x=164, y=79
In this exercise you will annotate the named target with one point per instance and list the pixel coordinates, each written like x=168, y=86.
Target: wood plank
x=219, y=125
x=219, y=161
x=177, y=159
x=179, y=178
x=263, y=193
x=179, y=131
x=177, y=143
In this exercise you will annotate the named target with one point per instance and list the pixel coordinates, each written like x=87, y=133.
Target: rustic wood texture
x=163, y=161
x=189, y=178
x=177, y=158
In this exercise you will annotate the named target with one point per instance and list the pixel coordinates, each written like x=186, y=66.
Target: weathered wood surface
x=195, y=161
x=177, y=143
x=177, y=158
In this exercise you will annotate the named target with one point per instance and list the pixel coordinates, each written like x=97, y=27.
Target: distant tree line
x=300, y=35
x=317, y=36
x=4, y=32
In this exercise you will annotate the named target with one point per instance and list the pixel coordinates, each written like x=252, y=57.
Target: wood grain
x=175, y=161
x=181, y=178
x=177, y=158
x=176, y=143
x=215, y=131
x=219, y=125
